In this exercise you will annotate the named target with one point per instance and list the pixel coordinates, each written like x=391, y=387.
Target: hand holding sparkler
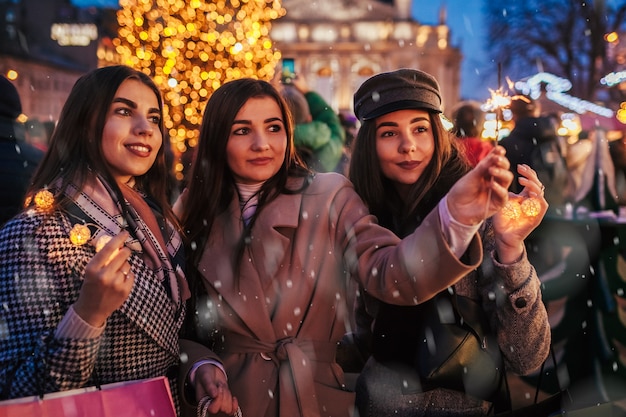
x=498, y=101
x=483, y=191
x=107, y=282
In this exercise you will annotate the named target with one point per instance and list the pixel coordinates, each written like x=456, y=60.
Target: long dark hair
x=211, y=182
x=75, y=151
x=403, y=214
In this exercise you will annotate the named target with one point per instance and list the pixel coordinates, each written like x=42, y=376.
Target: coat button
x=520, y=302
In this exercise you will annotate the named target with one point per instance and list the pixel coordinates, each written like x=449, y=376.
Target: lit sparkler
x=499, y=101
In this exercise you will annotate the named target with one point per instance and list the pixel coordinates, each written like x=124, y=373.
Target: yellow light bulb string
x=80, y=232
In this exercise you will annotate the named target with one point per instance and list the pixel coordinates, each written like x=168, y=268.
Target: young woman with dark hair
x=404, y=163
x=91, y=272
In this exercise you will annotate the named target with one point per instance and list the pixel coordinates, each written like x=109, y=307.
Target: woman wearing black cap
x=274, y=244
x=403, y=163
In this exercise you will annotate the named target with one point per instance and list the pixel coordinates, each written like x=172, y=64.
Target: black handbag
x=553, y=406
x=457, y=349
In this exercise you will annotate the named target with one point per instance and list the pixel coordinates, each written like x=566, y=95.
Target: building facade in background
x=45, y=45
x=336, y=45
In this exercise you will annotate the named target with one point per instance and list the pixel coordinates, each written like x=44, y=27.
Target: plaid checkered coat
x=41, y=273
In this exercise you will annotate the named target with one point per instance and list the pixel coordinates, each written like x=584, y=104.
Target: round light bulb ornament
x=531, y=207
x=44, y=200
x=103, y=240
x=80, y=234
x=512, y=210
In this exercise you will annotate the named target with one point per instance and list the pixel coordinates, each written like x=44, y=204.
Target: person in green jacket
x=318, y=135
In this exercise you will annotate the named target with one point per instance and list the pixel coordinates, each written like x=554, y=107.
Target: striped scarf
x=151, y=235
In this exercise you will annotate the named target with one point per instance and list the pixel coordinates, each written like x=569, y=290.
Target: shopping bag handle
x=204, y=404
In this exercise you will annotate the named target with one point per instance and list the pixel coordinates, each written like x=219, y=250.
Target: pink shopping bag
x=143, y=398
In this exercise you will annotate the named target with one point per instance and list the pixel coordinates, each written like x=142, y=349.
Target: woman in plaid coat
x=76, y=310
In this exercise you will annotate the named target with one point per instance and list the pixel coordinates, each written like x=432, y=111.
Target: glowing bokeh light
x=531, y=207
x=204, y=43
x=80, y=234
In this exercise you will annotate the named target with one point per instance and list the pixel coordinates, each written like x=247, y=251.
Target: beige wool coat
x=276, y=325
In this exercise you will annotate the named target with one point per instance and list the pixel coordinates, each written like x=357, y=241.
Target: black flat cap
x=397, y=90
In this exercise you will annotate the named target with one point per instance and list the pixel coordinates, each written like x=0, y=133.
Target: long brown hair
x=75, y=151
x=444, y=169
x=211, y=182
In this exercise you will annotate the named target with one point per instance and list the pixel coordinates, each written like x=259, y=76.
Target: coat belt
x=293, y=358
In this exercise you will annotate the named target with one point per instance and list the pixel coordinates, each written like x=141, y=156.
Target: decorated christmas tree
x=191, y=47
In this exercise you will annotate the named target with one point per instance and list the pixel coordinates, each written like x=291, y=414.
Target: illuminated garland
x=613, y=78
x=79, y=234
x=529, y=207
x=555, y=91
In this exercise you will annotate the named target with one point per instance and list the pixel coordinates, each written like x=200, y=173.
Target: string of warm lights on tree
x=192, y=47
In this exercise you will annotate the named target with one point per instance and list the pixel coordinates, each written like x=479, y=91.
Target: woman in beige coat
x=275, y=247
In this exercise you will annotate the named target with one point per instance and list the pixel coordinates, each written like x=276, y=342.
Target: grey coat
x=510, y=296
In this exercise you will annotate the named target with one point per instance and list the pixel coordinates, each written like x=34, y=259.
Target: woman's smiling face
x=405, y=145
x=131, y=138
x=258, y=141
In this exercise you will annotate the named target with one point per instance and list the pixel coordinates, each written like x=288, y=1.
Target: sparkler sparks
x=497, y=103
x=499, y=100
